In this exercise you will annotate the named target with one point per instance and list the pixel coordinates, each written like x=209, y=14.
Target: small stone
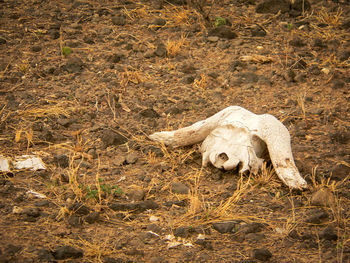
x=257, y=31
x=338, y=84
x=61, y=160
x=297, y=42
x=66, y=252
x=213, y=39
x=225, y=227
x=161, y=50
x=131, y=158
x=36, y=48
x=119, y=20
x=75, y=221
x=189, y=79
x=112, y=138
x=79, y=209
x=92, y=217
x=273, y=6
x=181, y=232
x=73, y=65
x=115, y=58
x=329, y=233
x=149, y=113
x=223, y=32
x=31, y=211
x=2, y=41
x=262, y=254
x=317, y=217
x=135, y=193
x=251, y=228
x=179, y=188
x=159, y=22
x=154, y=228
x=323, y=197
x=340, y=172
x=45, y=255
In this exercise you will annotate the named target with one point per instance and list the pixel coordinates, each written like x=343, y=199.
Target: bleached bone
x=237, y=137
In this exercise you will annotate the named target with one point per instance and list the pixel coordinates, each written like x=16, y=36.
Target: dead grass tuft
x=174, y=47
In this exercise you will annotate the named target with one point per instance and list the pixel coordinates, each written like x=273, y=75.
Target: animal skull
x=237, y=137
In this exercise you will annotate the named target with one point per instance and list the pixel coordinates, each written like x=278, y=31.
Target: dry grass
x=174, y=47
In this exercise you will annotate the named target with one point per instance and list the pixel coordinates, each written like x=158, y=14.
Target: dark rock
x=223, y=32
x=251, y=228
x=79, y=209
x=12, y=249
x=154, y=228
x=119, y=20
x=92, y=217
x=61, y=160
x=338, y=84
x=161, y=50
x=45, y=255
x=189, y=79
x=31, y=211
x=317, y=217
x=262, y=254
x=115, y=58
x=159, y=22
x=137, y=206
x=297, y=42
x=257, y=31
x=73, y=65
x=329, y=233
x=2, y=41
x=42, y=203
x=66, y=252
x=177, y=203
x=273, y=6
x=149, y=113
x=181, y=232
x=36, y=48
x=339, y=172
x=75, y=221
x=110, y=138
x=225, y=227
x=179, y=188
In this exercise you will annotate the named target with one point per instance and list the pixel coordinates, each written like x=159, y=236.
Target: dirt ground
x=83, y=84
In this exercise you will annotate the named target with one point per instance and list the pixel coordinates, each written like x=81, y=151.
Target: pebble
x=112, y=138
x=131, y=158
x=179, y=188
x=135, y=193
x=213, y=39
x=149, y=113
x=225, y=227
x=161, y=50
x=92, y=217
x=222, y=32
x=65, y=252
x=323, y=197
x=262, y=254
x=119, y=20
x=61, y=160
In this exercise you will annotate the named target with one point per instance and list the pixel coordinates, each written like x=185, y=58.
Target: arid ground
x=82, y=85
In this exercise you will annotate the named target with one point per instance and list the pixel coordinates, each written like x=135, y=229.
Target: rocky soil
x=82, y=85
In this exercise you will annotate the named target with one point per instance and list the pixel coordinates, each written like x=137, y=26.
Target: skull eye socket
x=223, y=156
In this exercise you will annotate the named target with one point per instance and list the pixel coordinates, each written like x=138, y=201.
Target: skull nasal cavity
x=223, y=156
